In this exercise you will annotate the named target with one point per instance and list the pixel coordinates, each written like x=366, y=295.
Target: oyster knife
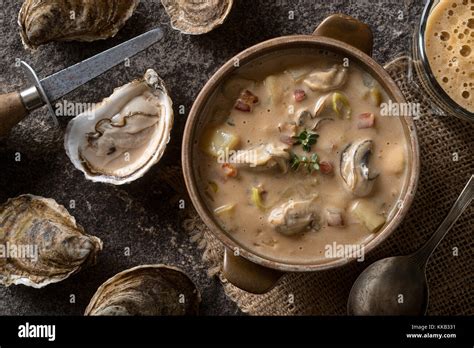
x=17, y=105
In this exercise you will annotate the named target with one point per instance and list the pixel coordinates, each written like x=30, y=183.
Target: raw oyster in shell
x=44, y=243
x=146, y=290
x=43, y=21
x=119, y=139
x=197, y=16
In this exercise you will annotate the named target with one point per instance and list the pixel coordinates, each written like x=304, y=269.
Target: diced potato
x=334, y=217
x=225, y=209
x=274, y=88
x=366, y=212
x=215, y=142
x=393, y=160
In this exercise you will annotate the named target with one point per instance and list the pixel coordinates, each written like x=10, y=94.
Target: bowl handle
x=349, y=30
x=247, y=275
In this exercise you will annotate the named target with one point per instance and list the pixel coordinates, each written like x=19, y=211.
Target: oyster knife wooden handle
x=12, y=111
x=17, y=105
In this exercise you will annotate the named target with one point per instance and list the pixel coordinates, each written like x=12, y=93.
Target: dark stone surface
x=144, y=215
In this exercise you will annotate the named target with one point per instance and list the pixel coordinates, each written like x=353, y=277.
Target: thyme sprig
x=306, y=139
x=310, y=163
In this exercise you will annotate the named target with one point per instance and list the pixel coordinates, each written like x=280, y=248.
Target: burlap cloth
x=446, y=148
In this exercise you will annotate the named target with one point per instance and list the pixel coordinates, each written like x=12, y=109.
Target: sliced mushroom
x=328, y=79
x=294, y=217
x=355, y=170
x=312, y=120
x=321, y=105
x=263, y=156
x=306, y=120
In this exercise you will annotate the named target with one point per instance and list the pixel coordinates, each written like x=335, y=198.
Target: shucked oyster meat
x=197, y=16
x=40, y=243
x=43, y=21
x=146, y=290
x=324, y=80
x=295, y=216
x=118, y=140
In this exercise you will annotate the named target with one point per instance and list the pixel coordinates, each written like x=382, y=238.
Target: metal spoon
x=397, y=285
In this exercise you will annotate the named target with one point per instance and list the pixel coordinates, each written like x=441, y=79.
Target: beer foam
x=449, y=43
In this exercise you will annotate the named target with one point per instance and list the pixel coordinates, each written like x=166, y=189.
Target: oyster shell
x=41, y=243
x=355, y=168
x=197, y=16
x=43, y=21
x=146, y=290
x=119, y=139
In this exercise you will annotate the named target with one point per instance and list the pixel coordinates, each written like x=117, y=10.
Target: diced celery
x=257, y=198
x=341, y=105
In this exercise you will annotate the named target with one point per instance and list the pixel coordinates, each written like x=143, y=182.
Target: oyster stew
x=296, y=156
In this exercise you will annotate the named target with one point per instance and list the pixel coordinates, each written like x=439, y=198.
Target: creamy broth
x=449, y=41
x=289, y=214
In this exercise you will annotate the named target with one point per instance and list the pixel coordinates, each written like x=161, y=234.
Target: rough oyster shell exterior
x=47, y=243
x=197, y=16
x=146, y=290
x=43, y=21
x=122, y=137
